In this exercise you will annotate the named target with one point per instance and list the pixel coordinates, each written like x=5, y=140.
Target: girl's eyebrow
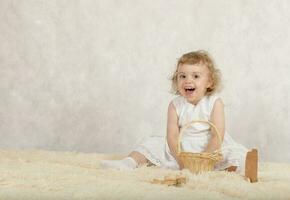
x=198, y=73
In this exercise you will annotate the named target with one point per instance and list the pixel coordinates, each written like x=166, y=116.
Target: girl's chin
x=190, y=99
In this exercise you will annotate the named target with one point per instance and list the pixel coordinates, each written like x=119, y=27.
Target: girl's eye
x=196, y=76
x=182, y=76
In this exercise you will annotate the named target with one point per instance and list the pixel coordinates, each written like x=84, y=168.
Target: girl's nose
x=188, y=79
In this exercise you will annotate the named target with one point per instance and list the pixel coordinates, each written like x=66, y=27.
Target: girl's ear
x=209, y=84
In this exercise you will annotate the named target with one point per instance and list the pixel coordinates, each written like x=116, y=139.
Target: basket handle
x=192, y=122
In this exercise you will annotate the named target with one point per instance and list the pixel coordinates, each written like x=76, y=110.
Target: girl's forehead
x=189, y=68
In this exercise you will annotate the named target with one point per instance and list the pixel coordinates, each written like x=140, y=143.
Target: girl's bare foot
x=251, y=169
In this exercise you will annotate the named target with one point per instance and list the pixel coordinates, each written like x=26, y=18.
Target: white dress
x=194, y=139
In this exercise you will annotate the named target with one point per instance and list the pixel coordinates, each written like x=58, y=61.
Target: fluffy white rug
x=68, y=175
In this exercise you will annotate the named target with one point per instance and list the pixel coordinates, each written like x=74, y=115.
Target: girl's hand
x=181, y=166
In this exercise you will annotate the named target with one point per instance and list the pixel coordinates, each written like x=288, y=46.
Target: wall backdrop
x=93, y=76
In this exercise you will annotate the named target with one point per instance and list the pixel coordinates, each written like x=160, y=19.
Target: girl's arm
x=173, y=132
x=218, y=119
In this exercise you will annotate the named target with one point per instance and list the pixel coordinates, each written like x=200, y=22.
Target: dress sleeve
x=212, y=101
x=178, y=102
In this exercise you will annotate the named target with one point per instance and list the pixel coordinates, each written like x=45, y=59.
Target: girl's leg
x=251, y=166
x=131, y=162
x=251, y=169
x=138, y=157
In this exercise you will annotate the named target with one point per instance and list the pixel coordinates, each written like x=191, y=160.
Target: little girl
x=195, y=81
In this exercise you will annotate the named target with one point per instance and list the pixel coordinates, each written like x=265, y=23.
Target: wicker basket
x=198, y=162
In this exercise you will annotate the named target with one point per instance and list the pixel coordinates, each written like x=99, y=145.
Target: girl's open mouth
x=189, y=91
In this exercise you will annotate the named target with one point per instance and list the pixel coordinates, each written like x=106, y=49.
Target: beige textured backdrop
x=92, y=76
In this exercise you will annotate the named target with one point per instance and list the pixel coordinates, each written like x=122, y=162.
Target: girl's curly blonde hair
x=197, y=57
